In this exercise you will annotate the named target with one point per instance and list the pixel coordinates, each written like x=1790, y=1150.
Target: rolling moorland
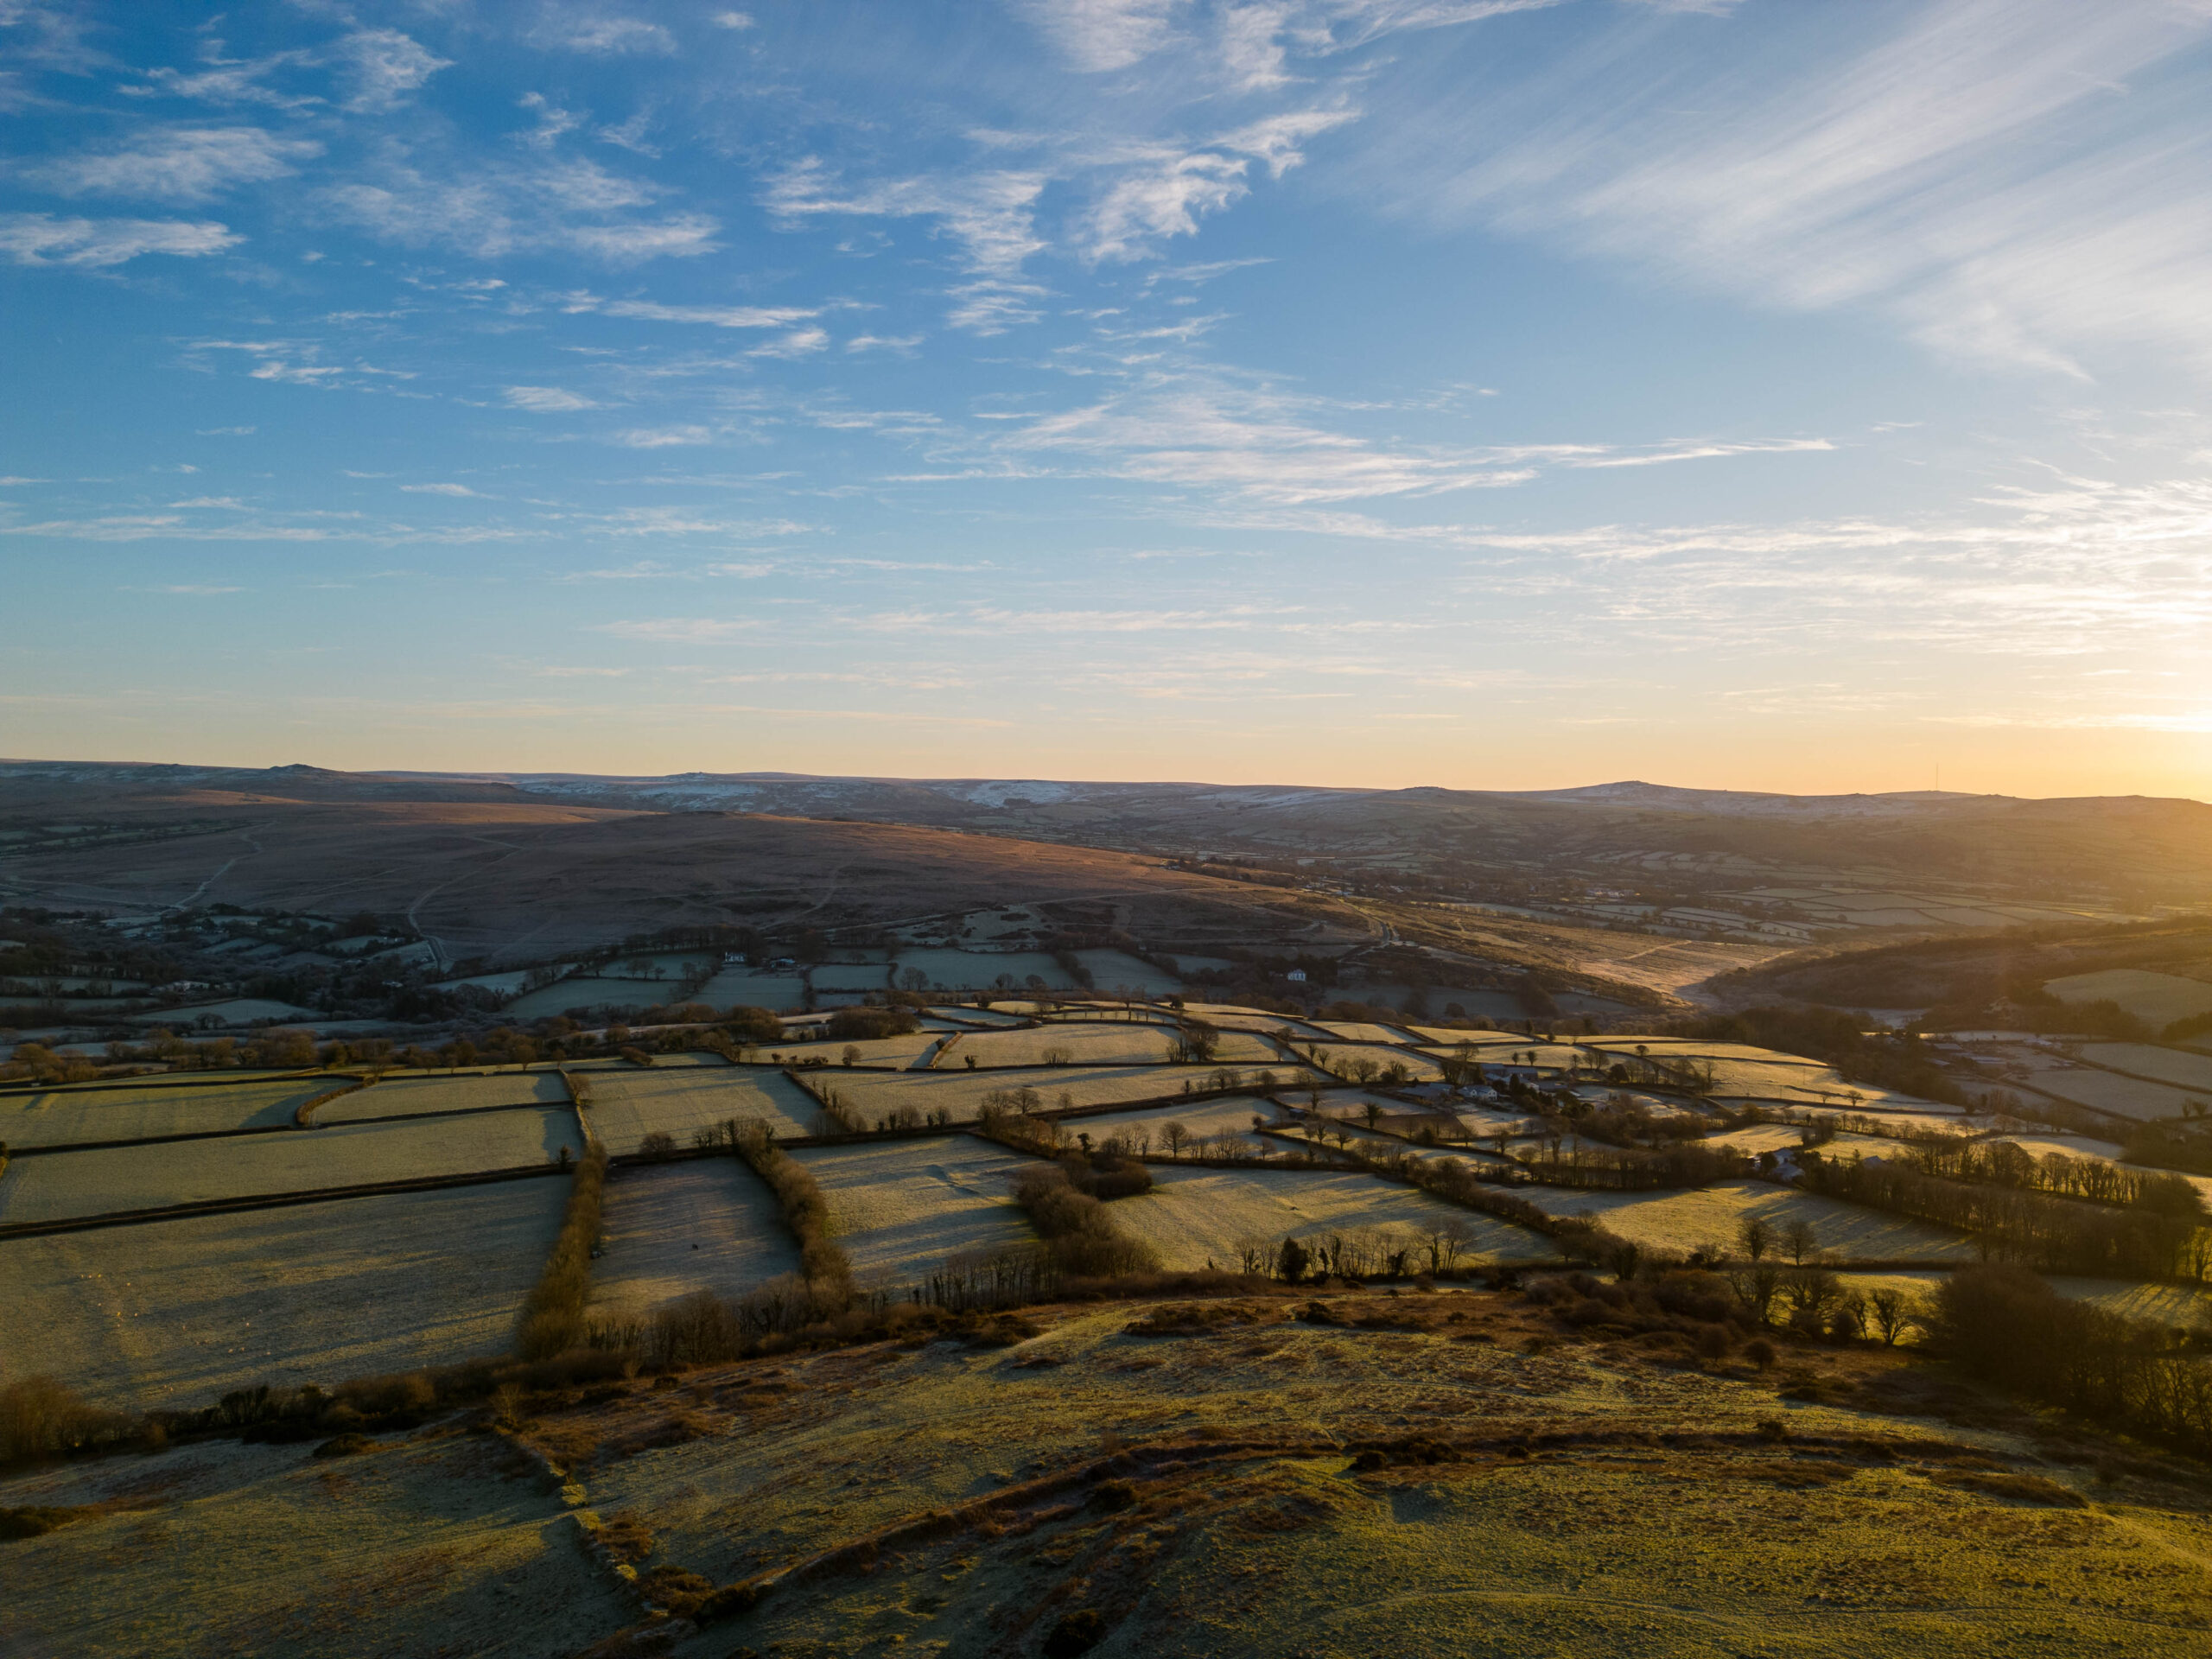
x=588, y=1216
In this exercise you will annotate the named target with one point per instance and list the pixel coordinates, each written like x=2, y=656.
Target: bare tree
x=1755, y=1238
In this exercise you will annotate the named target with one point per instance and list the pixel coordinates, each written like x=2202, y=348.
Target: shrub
x=1760, y=1352
x=39, y=1418
x=1076, y=1228
x=36, y=1521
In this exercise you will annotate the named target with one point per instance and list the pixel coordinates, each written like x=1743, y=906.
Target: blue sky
x=1502, y=393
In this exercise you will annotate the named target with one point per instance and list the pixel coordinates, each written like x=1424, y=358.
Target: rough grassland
x=902, y=1209
x=60, y=1118
x=627, y=1106
x=177, y=1313
x=877, y=1094
x=144, y=1178
x=707, y=1224
x=1684, y=1221
x=1853, y=1536
x=439, y=1544
x=1194, y=1215
x=1098, y=1044
x=405, y=1097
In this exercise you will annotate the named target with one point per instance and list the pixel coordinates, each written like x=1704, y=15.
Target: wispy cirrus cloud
x=45, y=239
x=2012, y=179
x=180, y=164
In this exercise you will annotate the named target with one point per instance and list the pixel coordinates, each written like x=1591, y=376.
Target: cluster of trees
x=2166, y=1146
x=2153, y=1238
x=805, y=1211
x=1079, y=1231
x=1567, y=1160
x=2006, y=1325
x=2001, y=1163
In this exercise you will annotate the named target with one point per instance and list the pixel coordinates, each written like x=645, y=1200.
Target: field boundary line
x=275, y=1200
x=169, y=1080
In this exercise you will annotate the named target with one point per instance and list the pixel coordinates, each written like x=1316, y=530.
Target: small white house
x=1296, y=975
x=733, y=958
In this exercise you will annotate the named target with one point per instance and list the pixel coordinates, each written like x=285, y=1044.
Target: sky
x=1755, y=394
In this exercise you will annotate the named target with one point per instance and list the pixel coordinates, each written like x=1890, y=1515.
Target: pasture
x=627, y=1106
x=670, y=1229
x=2106, y=1092
x=69, y=1183
x=877, y=1095
x=587, y=991
x=176, y=1312
x=1687, y=1221
x=56, y=1117
x=1196, y=1215
x=1097, y=1043
x=903, y=1209
x=405, y=1097
x=2182, y=1070
x=2155, y=999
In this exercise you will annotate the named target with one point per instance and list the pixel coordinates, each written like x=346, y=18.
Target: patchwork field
x=2156, y=999
x=1096, y=1043
x=668, y=1230
x=874, y=1051
x=69, y=1183
x=627, y=1106
x=961, y=1092
x=176, y=1312
x=979, y=970
x=748, y=988
x=1206, y=1120
x=1419, y=1066
x=1195, y=1216
x=2107, y=1092
x=593, y=993
x=60, y=1117
x=2183, y=1070
x=1689, y=1220
x=405, y=1097
x=903, y=1209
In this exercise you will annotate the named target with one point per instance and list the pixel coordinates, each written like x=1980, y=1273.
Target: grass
x=2148, y=1060
x=134, y=1177
x=628, y=1105
x=2123, y=1096
x=65, y=1117
x=1567, y=1525
x=1194, y=1216
x=672, y=1229
x=902, y=1209
x=876, y=1094
x=417, y=1548
x=2156, y=999
x=1684, y=1221
x=1097, y=1043
x=177, y=1313
x=400, y=1096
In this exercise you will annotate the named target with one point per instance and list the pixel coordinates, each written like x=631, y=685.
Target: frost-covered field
x=68, y=1184
x=1195, y=1216
x=627, y=1106
x=1096, y=1043
x=405, y=1097
x=902, y=1210
x=1689, y=1220
x=2183, y=1070
x=2156, y=999
x=68, y=1117
x=176, y=1312
x=877, y=1094
x=705, y=1223
x=2123, y=1096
